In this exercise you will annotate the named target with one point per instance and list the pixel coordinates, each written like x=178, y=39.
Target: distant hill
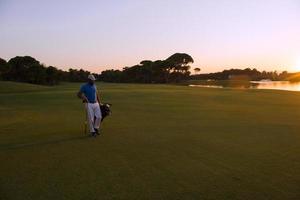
x=15, y=87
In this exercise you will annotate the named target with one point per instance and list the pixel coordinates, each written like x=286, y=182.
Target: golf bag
x=105, y=110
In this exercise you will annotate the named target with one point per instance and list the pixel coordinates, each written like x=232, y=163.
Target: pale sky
x=97, y=35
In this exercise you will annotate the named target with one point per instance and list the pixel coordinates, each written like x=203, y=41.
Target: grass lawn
x=162, y=142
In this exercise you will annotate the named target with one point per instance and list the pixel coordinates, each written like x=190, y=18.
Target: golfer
x=88, y=93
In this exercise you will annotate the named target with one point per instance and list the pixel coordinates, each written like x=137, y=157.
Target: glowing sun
x=297, y=65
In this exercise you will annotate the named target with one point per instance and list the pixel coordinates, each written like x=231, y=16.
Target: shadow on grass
x=42, y=143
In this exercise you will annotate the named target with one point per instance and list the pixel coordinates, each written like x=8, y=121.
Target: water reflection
x=277, y=85
x=271, y=85
x=208, y=86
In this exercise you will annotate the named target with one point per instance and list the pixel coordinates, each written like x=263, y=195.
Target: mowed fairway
x=162, y=142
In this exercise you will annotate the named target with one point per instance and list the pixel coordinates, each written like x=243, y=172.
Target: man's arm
x=82, y=96
x=98, y=99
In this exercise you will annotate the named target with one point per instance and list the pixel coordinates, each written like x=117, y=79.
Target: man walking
x=88, y=93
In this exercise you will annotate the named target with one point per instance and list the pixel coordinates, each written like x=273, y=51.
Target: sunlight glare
x=297, y=65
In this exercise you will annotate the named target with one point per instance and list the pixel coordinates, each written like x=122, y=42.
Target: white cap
x=91, y=77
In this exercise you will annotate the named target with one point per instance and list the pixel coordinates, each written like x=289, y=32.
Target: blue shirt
x=90, y=91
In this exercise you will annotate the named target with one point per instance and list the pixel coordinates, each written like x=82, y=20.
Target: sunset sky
x=97, y=35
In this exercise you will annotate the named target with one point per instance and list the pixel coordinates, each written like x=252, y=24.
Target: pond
x=271, y=85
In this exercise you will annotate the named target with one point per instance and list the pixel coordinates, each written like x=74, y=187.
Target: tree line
x=249, y=74
x=174, y=69
x=28, y=69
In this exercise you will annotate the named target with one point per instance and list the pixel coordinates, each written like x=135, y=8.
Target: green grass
x=162, y=142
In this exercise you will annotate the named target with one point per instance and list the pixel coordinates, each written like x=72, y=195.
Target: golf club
x=86, y=118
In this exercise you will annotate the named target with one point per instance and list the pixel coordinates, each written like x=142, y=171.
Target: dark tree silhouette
x=173, y=69
x=251, y=74
x=179, y=66
x=197, y=70
x=52, y=75
x=28, y=69
x=4, y=68
x=24, y=69
x=180, y=59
